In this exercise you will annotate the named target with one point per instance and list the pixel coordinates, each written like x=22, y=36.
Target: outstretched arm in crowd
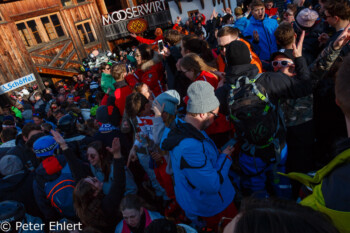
x=328, y=56
x=142, y=40
x=112, y=200
x=79, y=168
x=298, y=86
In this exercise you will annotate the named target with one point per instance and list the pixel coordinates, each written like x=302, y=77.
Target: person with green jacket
x=331, y=184
x=107, y=79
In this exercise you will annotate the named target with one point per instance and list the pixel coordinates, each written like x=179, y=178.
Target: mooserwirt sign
x=10, y=86
x=134, y=12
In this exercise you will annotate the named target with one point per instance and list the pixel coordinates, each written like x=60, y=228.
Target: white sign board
x=134, y=12
x=10, y=86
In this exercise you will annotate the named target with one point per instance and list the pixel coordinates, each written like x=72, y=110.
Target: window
x=85, y=32
x=52, y=26
x=31, y=34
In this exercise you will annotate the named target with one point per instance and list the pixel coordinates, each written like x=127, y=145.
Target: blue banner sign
x=10, y=86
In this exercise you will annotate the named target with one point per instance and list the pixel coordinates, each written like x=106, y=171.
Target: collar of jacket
x=180, y=130
x=258, y=22
x=120, y=84
x=340, y=146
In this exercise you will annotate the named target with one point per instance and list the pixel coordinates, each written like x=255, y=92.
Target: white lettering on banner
x=134, y=12
x=16, y=83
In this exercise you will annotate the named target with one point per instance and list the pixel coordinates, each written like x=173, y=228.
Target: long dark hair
x=87, y=205
x=146, y=52
x=105, y=157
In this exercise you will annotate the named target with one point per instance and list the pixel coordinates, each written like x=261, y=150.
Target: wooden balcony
x=119, y=30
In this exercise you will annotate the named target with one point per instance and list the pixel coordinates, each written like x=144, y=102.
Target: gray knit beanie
x=170, y=99
x=202, y=98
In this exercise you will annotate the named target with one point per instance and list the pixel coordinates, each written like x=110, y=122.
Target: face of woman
x=146, y=92
x=188, y=73
x=132, y=216
x=95, y=183
x=107, y=70
x=93, y=156
x=138, y=57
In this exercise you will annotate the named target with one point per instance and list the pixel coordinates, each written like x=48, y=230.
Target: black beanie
x=237, y=53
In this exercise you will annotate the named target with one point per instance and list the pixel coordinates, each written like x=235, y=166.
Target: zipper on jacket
x=222, y=199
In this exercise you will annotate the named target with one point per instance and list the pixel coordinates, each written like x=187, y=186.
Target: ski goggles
x=282, y=63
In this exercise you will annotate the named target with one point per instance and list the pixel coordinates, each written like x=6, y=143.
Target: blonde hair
x=118, y=71
x=195, y=63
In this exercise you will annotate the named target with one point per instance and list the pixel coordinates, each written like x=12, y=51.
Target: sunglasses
x=107, y=68
x=36, y=114
x=283, y=63
x=325, y=17
x=216, y=116
x=222, y=47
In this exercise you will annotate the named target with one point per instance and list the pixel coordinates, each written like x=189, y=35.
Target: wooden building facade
x=48, y=37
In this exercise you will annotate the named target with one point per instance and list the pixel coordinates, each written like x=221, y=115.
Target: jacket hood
x=50, y=168
x=8, y=183
x=234, y=72
x=148, y=64
x=180, y=130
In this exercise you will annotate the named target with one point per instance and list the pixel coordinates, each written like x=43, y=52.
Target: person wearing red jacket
x=149, y=70
x=158, y=33
x=122, y=88
x=195, y=69
x=270, y=10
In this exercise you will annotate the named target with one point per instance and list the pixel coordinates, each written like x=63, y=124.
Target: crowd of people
x=232, y=123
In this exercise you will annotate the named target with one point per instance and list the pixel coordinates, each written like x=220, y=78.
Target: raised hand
x=59, y=139
x=323, y=38
x=115, y=150
x=342, y=39
x=157, y=108
x=132, y=156
x=298, y=49
x=133, y=35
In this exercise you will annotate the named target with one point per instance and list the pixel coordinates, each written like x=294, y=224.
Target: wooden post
x=102, y=7
x=178, y=3
x=202, y=4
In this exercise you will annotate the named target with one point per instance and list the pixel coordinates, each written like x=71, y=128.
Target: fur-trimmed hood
x=148, y=64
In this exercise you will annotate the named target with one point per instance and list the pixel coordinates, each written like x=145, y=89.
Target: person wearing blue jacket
x=202, y=186
x=260, y=32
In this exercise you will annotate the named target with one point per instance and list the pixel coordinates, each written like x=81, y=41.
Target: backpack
x=60, y=192
x=255, y=117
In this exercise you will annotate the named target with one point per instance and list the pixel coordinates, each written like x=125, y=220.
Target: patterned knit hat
x=45, y=146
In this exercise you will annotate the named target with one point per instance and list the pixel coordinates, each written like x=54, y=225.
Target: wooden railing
x=119, y=30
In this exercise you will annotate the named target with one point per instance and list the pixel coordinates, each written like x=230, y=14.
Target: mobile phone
x=231, y=142
x=160, y=45
x=128, y=68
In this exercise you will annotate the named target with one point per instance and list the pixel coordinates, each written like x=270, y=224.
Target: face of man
x=258, y=12
x=285, y=65
x=224, y=41
x=331, y=20
x=269, y=5
x=210, y=118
